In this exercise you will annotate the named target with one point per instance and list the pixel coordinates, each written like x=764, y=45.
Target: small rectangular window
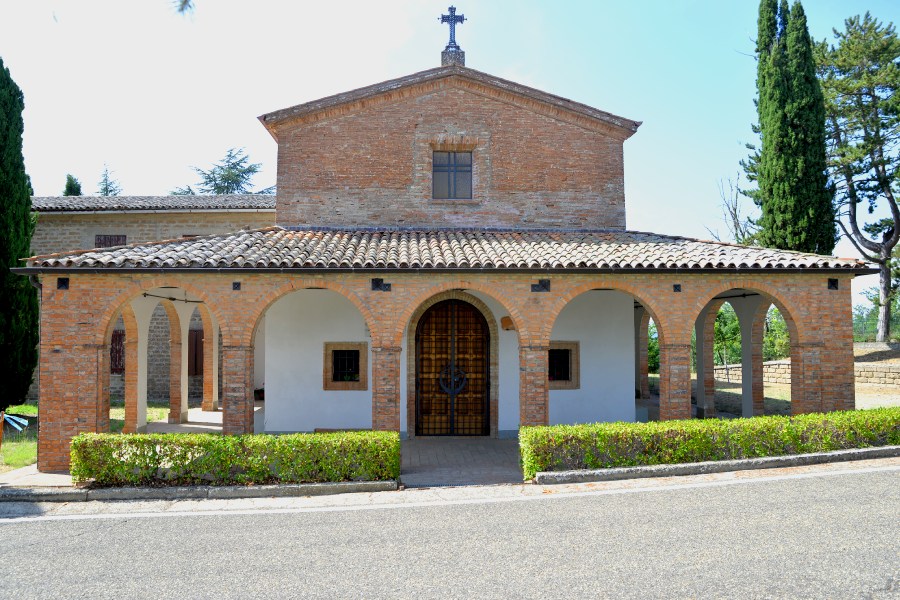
x=451, y=175
x=345, y=366
x=108, y=241
x=563, y=366
x=560, y=364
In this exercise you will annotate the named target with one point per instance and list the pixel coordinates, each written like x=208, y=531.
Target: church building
x=450, y=256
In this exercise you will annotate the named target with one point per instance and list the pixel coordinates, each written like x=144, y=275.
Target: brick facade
x=823, y=379
x=370, y=163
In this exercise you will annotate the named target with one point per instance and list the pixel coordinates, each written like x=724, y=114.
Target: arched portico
x=751, y=303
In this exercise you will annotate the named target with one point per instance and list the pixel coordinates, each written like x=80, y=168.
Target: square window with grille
x=452, y=175
x=345, y=366
x=562, y=366
x=108, y=241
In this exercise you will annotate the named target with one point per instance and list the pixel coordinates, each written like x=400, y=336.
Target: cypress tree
x=790, y=169
x=73, y=186
x=18, y=299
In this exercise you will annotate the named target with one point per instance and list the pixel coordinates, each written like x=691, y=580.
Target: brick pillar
x=806, y=382
x=385, y=378
x=642, y=381
x=674, y=381
x=534, y=396
x=131, y=380
x=103, y=367
x=175, y=351
x=237, y=393
x=756, y=359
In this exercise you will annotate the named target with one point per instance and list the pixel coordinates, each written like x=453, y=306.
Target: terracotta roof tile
x=279, y=248
x=46, y=204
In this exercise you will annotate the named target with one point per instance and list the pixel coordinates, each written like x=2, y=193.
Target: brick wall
x=57, y=232
x=372, y=164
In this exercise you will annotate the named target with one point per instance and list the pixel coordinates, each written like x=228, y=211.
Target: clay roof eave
x=273, y=119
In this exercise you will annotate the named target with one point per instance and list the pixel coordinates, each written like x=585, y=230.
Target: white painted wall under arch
x=602, y=322
x=296, y=329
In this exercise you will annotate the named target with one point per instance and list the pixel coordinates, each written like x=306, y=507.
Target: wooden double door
x=452, y=371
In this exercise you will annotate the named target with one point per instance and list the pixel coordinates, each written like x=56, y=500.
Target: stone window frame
x=328, y=367
x=574, y=381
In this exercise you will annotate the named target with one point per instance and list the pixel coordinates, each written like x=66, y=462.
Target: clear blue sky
x=151, y=93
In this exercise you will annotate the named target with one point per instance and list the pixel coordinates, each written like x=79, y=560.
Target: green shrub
x=604, y=445
x=164, y=459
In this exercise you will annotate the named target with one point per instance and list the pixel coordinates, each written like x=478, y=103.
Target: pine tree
x=18, y=299
x=231, y=175
x=73, y=186
x=861, y=80
x=790, y=167
x=108, y=186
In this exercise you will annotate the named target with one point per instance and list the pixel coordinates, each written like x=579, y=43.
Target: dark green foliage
x=18, y=299
x=73, y=186
x=790, y=166
x=107, y=185
x=231, y=175
x=860, y=79
x=652, y=348
x=605, y=445
x=192, y=459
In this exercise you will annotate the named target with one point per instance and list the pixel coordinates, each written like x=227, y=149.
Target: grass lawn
x=20, y=449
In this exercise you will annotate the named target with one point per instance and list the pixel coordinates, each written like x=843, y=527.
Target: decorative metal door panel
x=452, y=371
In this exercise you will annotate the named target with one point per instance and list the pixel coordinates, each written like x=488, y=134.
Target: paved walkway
x=452, y=461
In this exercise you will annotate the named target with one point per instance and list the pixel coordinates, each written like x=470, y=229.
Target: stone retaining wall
x=779, y=371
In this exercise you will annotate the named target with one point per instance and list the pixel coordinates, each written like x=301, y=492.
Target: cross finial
x=452, y=54
x=453, y=19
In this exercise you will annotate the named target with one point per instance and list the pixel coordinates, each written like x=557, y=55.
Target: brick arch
x=494, y=357
x=769, y=292
x=297, y=285
x=617, y=286
x=112, y=311
x=436, y=290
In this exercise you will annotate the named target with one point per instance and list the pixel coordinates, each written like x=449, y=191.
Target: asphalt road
x=834, y=535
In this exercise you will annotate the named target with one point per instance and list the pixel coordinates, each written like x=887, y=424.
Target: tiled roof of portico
x=280, y=249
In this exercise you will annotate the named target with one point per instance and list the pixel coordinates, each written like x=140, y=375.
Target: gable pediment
x=452, y=77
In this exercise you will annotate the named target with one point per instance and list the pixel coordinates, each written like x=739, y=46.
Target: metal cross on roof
x=453, y=19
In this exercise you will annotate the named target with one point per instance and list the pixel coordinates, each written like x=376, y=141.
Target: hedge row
x=605, y=445
x=189, y=459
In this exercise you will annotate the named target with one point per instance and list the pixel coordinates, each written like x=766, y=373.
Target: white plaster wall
x=296, y=329
x=603, y=324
